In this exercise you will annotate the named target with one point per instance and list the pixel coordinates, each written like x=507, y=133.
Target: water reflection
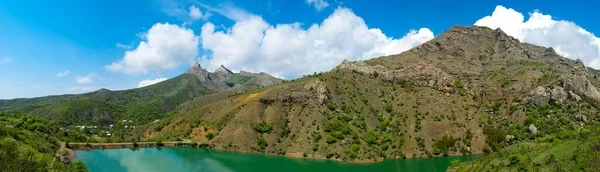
x=197, y=159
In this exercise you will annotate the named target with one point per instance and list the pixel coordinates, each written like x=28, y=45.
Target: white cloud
x=565, y=37
x=63, y=73
x=86, y=79
x=123, y=46
x=228, y=10
x=150, y=82
x=6, y=60
x=85, y=89
x=290, y=51
x=165, y=46
x=196, y=14
x=319, y=4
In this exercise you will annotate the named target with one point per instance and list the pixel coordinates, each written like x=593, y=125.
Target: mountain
x=470, y=90
x=141, y=105
x=29, y=143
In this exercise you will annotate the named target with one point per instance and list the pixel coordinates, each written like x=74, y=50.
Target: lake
x=199, y=159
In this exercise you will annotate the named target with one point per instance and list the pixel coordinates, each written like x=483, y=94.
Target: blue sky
x=72, y=46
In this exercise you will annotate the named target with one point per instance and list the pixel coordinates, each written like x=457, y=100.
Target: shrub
x=209, y=136
x=515, y=159
x=264, y=101
x=458, y=84
x=504, y=83
x=285, y=133
x=331, y=106
x=263, y=127
x=443, y=145
x=371, y=137
x=495, y=137
x=337, y=125
x=331, y=139
x=262, y=143
x=389, y=108
x=329, y=155
x=375, y=74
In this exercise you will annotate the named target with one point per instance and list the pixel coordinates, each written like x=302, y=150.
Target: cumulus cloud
x=86, y=79
x=63, y=73
x=164, y=47
x=565, y=37
x=318, y=4
x=150, y=82
x=289, y=51
x=6, y=60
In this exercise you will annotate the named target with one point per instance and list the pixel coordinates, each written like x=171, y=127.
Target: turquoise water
x=198, y=159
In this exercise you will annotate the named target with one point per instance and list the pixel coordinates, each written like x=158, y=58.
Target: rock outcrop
x=220, y=79
x=199, y=72
x=421, y=74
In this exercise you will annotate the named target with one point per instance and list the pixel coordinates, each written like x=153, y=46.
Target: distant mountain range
x=103, y=107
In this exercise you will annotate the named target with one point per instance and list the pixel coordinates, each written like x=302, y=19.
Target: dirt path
x=65, y=154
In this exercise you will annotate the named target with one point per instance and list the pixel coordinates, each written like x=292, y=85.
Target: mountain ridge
x=144, y=104
x=453, y=95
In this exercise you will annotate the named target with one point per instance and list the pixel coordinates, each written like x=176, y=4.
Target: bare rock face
x=421, y=74
x=533, y=129
x=219, y=79
x=262, y=79
x=544, y=95
x=197, y=71
x=578, y=80
x=312, y=93
x=581, y=117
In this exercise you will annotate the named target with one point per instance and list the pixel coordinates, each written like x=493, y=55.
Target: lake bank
x=202, y=159
x=91, y=146
x=298, y=155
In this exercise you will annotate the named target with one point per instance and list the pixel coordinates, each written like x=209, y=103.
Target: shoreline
x=73, y=147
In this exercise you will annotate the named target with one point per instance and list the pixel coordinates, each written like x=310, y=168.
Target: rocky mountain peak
x=223, y=69
x=196, y=65
x=198, y=71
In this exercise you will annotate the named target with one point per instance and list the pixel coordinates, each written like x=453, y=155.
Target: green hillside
x=104, y=106
x=141, y=105
x=464, y=92
x=29, y=143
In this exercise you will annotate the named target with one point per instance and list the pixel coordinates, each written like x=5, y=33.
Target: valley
x=470, y=90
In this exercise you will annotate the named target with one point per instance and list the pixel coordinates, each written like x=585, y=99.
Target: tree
x=331, y=106
x=210, y=136
x=263, y=127
x=262, y=143
x=371, y=137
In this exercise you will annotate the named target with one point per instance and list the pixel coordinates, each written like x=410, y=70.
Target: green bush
x=458, y=84
x=263, y=127
x=331, y=106
x=389, y=107
x=505, y=83
x=443, y=145
x=262, y=143
x=371, y=137
x=495, y=137
x=337, y=125
x=210, y=135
